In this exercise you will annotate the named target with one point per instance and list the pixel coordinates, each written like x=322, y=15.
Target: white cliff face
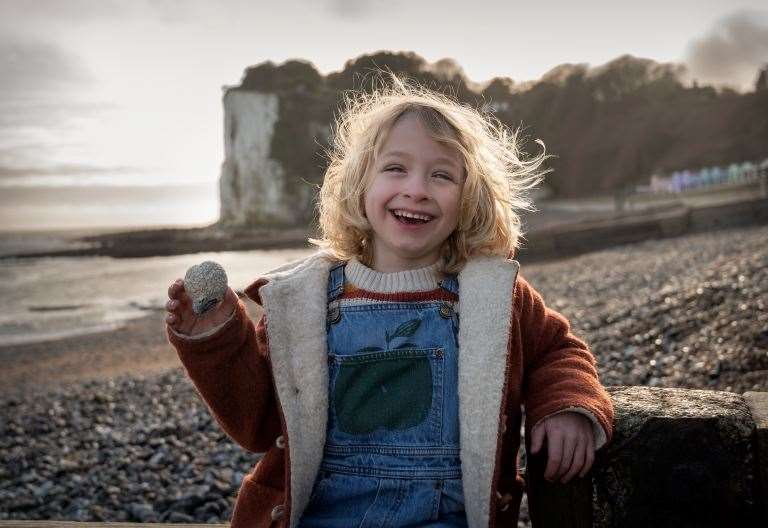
x=252, y=184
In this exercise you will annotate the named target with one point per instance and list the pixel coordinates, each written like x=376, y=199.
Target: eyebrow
x=440, y=159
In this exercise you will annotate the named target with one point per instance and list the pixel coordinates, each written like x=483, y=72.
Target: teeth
x=426, y=218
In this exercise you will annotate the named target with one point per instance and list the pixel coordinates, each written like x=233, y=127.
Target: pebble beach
x=103, y=439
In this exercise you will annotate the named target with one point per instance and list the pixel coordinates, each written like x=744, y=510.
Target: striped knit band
x=365, y=278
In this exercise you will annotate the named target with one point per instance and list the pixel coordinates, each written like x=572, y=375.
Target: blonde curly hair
x=496, y=179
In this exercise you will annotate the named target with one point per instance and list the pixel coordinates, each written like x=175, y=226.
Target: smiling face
x=413, y=200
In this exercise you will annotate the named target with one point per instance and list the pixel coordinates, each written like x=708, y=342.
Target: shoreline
x=551, y=218
x=157, y=241
x=149, y=242
x=138, y=348
x=96, y=355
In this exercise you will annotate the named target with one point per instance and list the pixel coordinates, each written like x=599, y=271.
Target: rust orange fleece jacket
x=266, y=385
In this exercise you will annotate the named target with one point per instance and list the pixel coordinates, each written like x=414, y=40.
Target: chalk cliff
x=251, y=185
x=276, y=125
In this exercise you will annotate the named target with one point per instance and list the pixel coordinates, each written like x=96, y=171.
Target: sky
x=114, y=91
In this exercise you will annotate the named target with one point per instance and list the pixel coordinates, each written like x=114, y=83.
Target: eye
x=393, y=168
x=443, y=175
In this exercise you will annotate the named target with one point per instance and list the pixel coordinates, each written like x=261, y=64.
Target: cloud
x=33, y=66
x=52, y=13
x=355, y=9
x=64, y=169
x=731, y=52
x=19, y=12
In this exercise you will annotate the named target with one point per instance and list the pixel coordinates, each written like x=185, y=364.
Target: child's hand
x=185, y=321
x=570, y=445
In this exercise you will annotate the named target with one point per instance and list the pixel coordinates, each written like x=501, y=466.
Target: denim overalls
x=391, y=455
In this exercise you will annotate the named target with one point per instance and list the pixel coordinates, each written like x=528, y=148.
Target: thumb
x=537, y=438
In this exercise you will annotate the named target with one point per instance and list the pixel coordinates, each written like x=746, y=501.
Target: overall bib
x=391, y=455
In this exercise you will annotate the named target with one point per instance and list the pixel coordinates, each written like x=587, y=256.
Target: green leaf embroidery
x=407, y=329
x=369, y=349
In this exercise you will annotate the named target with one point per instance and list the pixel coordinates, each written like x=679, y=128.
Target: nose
x=415, y=186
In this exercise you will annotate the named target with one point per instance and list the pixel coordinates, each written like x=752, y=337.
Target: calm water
x=51, y=298
x=47, y=207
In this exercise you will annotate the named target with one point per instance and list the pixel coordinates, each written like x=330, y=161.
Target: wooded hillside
x=608, y=126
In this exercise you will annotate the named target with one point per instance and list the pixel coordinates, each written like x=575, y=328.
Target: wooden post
x=552, y=504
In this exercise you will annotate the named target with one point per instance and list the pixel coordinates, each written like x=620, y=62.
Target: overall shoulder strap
x=450, y=284
x=336, y=281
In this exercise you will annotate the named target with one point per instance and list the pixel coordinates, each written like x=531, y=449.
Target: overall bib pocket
x=390, y=390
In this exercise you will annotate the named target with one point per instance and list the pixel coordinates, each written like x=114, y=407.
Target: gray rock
x=143, y=512
x=43, y=490
x=178, y=517
x=206, y=285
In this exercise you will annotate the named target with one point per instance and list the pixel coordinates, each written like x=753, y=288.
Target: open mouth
x=405, y=217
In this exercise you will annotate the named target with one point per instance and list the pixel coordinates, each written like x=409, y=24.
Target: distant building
x=681, y=180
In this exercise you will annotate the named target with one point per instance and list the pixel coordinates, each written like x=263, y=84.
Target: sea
x=51, y=298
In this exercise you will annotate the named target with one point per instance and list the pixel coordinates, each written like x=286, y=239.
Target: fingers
x=172, y=317
x=555, y=455
x=177, y=291
x=579, y=455
x=178, y=299
x=566, y=457
x=589, y=455
x=537, y=437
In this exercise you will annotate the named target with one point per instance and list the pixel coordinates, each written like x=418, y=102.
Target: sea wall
x=569, y=240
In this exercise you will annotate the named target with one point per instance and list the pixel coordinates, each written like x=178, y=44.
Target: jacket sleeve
x=559, y=370
x=230, y=369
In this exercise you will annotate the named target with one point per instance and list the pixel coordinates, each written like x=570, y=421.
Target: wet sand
x=138, y=349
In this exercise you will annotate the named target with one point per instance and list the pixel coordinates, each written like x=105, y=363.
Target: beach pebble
x=206, y=285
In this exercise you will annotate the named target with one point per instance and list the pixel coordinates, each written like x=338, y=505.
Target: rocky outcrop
x=251, y=185
x=271, y=167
